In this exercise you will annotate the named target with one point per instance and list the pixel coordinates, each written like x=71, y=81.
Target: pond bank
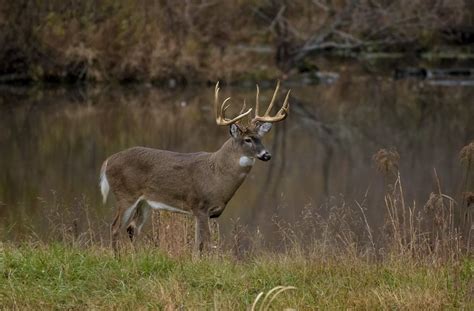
x=321, y=68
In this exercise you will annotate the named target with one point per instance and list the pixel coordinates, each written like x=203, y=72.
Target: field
x=39, y=276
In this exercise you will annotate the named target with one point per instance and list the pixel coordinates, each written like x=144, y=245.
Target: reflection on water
x=53, y=141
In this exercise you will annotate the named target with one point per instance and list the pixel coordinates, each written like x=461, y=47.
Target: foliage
x=127, y=40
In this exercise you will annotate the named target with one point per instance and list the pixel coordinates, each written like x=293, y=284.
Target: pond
x=54, y=140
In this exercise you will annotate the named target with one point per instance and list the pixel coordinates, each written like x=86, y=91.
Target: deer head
x=249, y=136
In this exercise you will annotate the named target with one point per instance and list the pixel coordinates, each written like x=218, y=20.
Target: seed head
x=467, y=154
x=469, y=197
x=386, y=161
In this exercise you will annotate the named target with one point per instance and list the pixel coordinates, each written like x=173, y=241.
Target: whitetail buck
x=198, y=184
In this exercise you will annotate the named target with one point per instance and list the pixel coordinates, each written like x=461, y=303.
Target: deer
x=196, y=184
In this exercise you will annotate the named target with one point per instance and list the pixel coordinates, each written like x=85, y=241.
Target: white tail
x=104, y=183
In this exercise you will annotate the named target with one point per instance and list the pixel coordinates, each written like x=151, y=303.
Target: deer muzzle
x=264, y=155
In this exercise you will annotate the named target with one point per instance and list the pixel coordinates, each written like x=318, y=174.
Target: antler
x=280, y=115
x=220, y=114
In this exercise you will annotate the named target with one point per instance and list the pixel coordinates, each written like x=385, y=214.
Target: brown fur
x=215, y=176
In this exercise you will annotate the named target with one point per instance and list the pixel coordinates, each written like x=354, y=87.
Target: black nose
x=266, y=156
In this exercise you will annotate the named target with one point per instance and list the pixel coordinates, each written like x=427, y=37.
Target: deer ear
x=234, y=131
x=264, y=128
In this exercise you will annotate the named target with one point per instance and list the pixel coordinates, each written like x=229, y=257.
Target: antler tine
x=280, y=115
x=257, y=101
x=273, y=99
x=220, y=113
x=216, y=100
x=243, y=107
x=224, y=106
x=285, y=108
x=286, y=104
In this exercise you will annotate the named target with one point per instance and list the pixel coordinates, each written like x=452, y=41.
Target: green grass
x=58, y=276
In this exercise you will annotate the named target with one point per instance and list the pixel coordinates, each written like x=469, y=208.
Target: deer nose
x=264, y=156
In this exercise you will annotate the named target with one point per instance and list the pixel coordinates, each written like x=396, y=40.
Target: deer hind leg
x=132, y=222
x=115, y=229
x=145, y=210
x=125, y=212
x=139, y=218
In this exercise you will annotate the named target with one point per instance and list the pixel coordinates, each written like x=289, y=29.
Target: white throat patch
x=246, y=161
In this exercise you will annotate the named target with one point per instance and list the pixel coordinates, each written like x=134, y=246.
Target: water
x=53, y=141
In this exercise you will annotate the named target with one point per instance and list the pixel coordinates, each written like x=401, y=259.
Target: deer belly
x=163, y=206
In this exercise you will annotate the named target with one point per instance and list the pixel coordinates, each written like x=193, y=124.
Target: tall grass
x=439, y=228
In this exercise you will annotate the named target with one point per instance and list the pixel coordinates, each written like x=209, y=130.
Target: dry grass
x=439, y=229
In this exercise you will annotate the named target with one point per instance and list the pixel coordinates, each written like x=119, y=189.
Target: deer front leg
x=202, y=233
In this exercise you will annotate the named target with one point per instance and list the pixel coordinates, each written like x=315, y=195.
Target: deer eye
x=247, y=140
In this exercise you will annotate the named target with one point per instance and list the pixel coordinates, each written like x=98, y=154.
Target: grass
x=58, y=276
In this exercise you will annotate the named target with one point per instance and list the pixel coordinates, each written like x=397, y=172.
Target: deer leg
x=125, y=212
x=141, y=216
x=202, y=233
x=132, y=225
x=115, y=230
x=131, y=232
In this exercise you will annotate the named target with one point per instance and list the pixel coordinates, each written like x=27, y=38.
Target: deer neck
x=230, y=160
